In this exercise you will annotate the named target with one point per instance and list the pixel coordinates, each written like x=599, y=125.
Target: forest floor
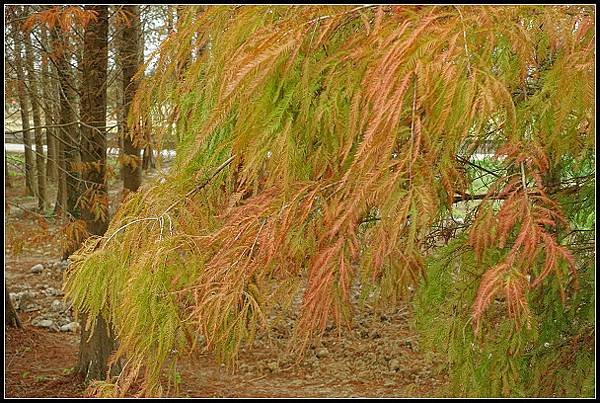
x=378, y=356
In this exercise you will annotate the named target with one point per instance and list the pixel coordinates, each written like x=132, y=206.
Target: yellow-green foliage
x=296, y=126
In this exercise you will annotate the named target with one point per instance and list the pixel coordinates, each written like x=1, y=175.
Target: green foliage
x=553, y=358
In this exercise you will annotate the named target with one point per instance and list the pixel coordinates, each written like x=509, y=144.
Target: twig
x=466, y=161
x=26, y=210
x=202, y=185
x=412, y=127
x=256, y=379
x=128, y=224
x=524, y=181
x=188, y=194
x=324, y=17
x=58, y=125
x=465, y=39
x=66, y=172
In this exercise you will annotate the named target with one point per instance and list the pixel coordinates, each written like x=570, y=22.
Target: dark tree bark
x=93, y=117
x=11, y=319
x=34, y=96
x=95, y=348
x=129, y=57
x=24, y=108
x=98, y=342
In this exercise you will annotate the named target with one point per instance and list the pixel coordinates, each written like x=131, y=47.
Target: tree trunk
x=60, y=206
x=68, y=189
x=148, y=161
x=7, y=182
x=11, y=319
x=129, y=57
x=95, y=348
x=93, y=117
x=97, y=343
x=61, y=170
x=37, y=124
x=24, y=107
x=118, y=38
x=49, y=94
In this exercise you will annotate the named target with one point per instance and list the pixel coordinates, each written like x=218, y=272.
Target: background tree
x=34, y=96
x=50, y=94
x=23, y=102
x=7, y=180
x=97, y=342
x=38, y=22
x=58, y=75
x=129, y=55
x=67, y=138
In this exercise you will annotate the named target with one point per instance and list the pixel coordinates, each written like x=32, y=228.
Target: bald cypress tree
x=50, y=94
x=24, y=102
x=97, y=341
x=36, y=110
x=327, y=147
x=129, y=50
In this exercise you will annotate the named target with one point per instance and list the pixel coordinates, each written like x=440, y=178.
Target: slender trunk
x=40, y=162
x=97, y=343
x=129, y=57
x=60, y=206
x=7, y=182
x=11, y=319
x=49, y=118
x=66, y=135
x=119, y=96
x=148, y=161
x=24, y=107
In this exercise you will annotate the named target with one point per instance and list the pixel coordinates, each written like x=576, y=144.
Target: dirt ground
x=378, y=357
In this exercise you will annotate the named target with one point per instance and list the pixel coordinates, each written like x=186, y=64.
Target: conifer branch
x=334, y=107
x=201, y=185
x=465, y=41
